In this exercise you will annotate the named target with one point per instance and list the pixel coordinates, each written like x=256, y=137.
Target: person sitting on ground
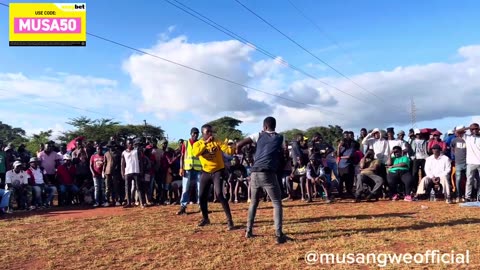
x=66, y=177
x=238, y=174
x=316, y=176
x=38, y=185
x=299, y=175
x=368, y=175
x=437, y=170
x=398, y=171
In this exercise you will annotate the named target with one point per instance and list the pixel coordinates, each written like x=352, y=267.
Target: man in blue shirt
x=264, y=174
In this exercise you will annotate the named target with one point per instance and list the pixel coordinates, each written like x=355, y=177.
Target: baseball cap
x=450, y=132
x=230, y=141
x=459, y=127
x=33, y=159
x=375, y=130
x=401, y=132
x=16, y=164
x=436, y=132
x=417, y=131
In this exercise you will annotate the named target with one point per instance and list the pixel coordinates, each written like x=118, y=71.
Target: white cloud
x=168, y=89
x=128, y=117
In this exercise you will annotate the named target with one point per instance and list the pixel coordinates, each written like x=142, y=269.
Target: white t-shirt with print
x=16, y=179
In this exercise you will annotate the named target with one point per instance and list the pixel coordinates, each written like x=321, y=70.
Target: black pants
x=394, y=179
x=418, y=164
x=138, y=187
x=114, y=190
x=301, y=180
x=206, y=180
x=347, y=175
x=374, y=181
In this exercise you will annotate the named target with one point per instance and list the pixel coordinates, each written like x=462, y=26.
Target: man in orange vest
x=190, y=170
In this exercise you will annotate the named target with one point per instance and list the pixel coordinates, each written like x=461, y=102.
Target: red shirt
x=442, y=144
x=66, y=175
x=96, y=161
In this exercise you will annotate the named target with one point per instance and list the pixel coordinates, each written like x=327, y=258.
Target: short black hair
x=397, y=148
x=206, y=126
x=270, y=123
x=363, y=129
x=299, y=137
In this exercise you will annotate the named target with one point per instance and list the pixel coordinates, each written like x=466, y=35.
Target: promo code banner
x=48, y=24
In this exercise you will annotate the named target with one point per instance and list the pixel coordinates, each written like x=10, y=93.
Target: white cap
x=416, y=131
x=449, y=132
x=16, y=164
x=459, y=127
x=230, y=141
x=67, y=157
x=375, y=130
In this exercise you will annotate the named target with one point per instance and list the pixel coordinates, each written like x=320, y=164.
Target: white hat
x=16, y=164
x=67, y=157
x=449, y=132
x=375, y=130
x=416, y=131
x=459, y=127
x=230, y=141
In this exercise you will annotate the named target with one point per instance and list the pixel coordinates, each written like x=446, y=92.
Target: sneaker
x=118, y=204
x=9, y=211
x=395, y=197
x=96, y=205
x=328, y=201
x=182, y=211
x=248, y=234
x=106, y=204
x=204, y=222
x=282, y=239
x=31, y=207
x=468, y=200
x=408, y=198
x=449, y=200
x=249, y=201
x=230, y=225
x=143, y=206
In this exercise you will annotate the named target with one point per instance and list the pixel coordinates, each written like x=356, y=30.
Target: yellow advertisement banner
x=48, y=24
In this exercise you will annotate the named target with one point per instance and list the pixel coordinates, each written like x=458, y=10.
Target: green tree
x=290, y=134
x=226, y=128
x=330, y=134
x=10, y=134
x=34, y=142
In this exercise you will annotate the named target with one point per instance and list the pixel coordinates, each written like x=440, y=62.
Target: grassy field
x=155, y=238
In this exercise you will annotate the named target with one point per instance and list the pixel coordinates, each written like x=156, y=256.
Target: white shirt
x=437, y=167
x=393, y=143
x=473, y=149
x=420, y=147
x=38, y=175
x=132, y=164
x=380, y=147
x=16, y=179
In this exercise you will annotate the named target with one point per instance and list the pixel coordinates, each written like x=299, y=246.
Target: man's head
x=363, y=132
x=63, y=147
x=370, y=154
x=235, y=160
x=401, y=135
x=21, y=148
x=459, y=131
x=351, y=135
x=397, y=151
x=474, y=129
x=99, y=149
x=315, y=158
x=376, y=133
x=299, y=137
x=418, y=133
x=345, y=134
x=269, y=124
x=17, y=166
x=33, y=162
x=436, y=135
x=194, y=133
x=411, y=133
x=79, y=144
x=436, y=149
x=48, y=148
x=130, y=144
x=390, y=133
x=207, y=131
x=67, y=159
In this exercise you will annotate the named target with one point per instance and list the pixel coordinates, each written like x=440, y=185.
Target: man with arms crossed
x=267, y=158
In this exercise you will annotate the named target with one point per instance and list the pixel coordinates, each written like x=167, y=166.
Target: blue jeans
x=68, y=188
x=99, y=190
x=334, y=167
x=459, y=170
x=38, y=191
x=189, y=177
x=5, y=194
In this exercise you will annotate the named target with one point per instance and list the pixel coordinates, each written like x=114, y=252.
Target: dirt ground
x=156, y=238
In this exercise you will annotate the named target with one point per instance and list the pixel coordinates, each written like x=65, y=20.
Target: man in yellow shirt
x=209, y=151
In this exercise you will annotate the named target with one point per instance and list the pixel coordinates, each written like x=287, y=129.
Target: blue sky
x=375, y=36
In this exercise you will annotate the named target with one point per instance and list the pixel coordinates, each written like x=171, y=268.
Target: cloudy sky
x=391, y=52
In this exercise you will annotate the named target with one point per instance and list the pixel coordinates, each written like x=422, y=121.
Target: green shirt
x=3, y=160
x=402, y=159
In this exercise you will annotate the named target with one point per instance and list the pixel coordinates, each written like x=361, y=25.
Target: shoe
x=230, y=225
x=106, y=204
x=182, y=211
x=457, y=200
x=395, y=197
x=282, y=239
x=236, y=201
x=204, y=222
x=96, y=205
x=468, y=200
x=408, y=198
x=449, y=200
x=288, y=199
x=328, y=201
x=248, y=234
x=31, y=208
x=249, y=201
x=9, y=211
x=144, y=206
x=118, y=204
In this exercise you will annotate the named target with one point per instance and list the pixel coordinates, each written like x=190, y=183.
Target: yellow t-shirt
x=210, y=154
